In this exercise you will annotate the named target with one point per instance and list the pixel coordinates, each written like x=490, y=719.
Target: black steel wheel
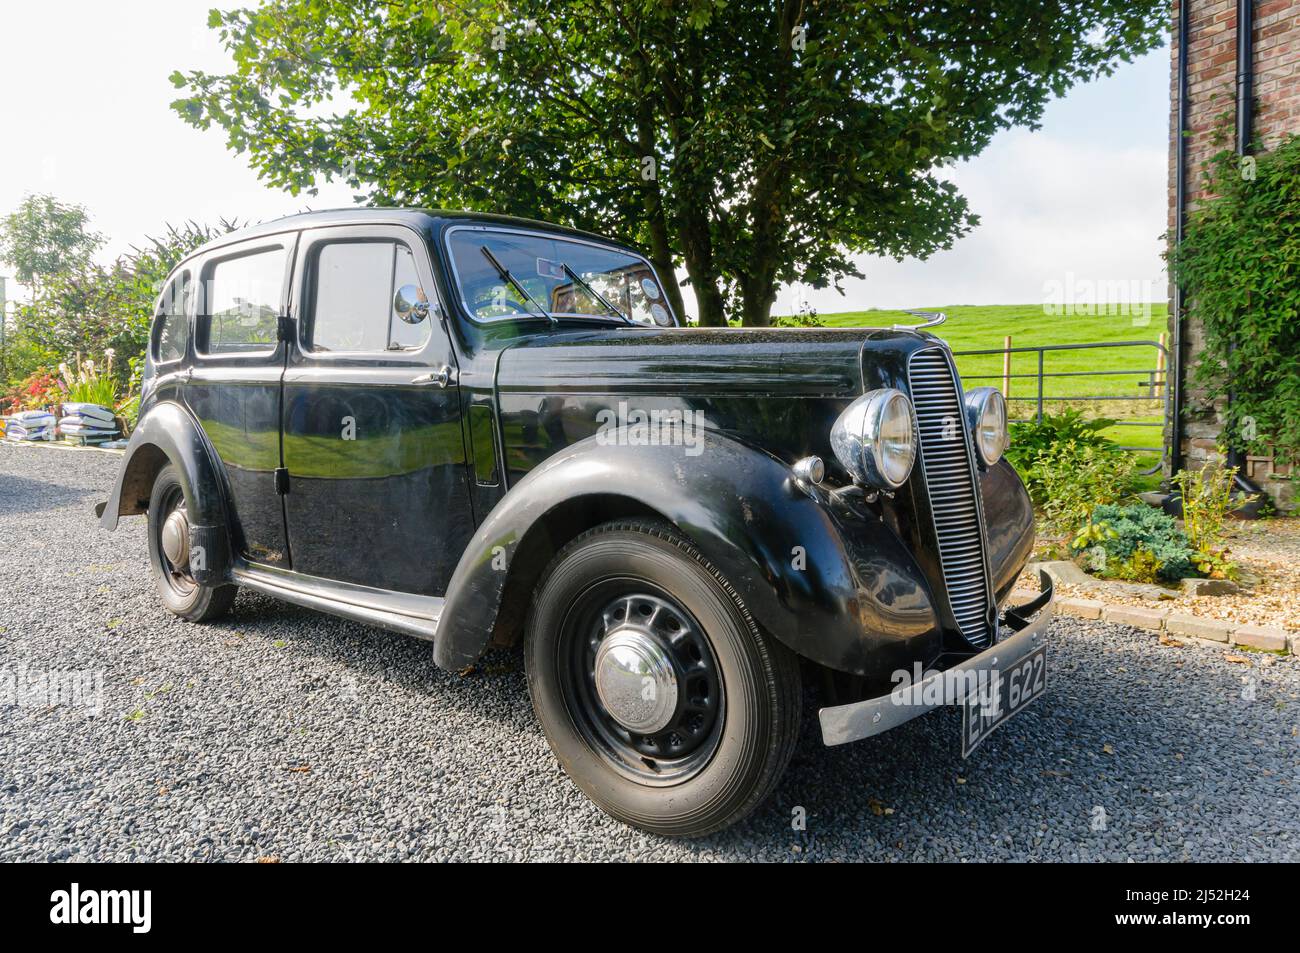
x=647, y=624
x=173, y=542
x=658, y=693
x=169, y=554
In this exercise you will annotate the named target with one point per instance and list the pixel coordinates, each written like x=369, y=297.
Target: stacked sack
x=92, y=423
x=29, y=425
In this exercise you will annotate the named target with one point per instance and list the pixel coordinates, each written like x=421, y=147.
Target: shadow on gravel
x=406, y=663
x=1096, y=738
x=20, y=495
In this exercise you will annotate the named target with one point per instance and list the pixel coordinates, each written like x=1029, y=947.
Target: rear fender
x=168, y=434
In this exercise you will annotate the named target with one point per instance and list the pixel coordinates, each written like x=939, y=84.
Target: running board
x=396, y=611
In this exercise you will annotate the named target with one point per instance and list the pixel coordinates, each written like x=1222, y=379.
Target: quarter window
x=352, y=298
x=243, y=302
x=173, y=321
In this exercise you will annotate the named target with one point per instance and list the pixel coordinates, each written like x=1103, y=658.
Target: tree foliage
x=756, y=143
x=1240, y=266
x=44, y=237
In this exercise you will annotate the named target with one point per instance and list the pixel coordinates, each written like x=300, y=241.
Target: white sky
x=84, y=115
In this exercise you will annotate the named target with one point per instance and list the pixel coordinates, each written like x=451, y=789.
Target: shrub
x=1070, y=479
x=38, y=390
x=90, y=384
x=1029, y=437
x=1207, y=500
x=1136, y=542
x=1032, y=437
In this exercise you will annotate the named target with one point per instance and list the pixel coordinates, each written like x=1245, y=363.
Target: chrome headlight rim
x=986, y=416
x=858, y=440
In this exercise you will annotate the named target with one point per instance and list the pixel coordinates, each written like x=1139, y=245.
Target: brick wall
x=1212, y=92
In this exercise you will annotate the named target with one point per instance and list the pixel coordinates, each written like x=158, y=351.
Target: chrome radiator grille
x=950, y=483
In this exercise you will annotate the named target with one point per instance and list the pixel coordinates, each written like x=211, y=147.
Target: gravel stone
x=282, y=733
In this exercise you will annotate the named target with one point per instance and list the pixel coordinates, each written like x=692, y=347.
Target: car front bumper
x=844, y=723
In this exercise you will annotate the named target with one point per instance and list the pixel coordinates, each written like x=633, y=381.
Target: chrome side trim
x=416, y=616
x=844, y=723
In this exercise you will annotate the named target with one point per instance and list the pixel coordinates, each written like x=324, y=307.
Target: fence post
x=1040, y=385
x=1006, y=366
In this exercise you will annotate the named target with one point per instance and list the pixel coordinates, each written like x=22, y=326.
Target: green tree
x=44, y=238
x=756, y=143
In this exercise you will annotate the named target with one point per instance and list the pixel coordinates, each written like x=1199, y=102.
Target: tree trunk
x=698, y=253
x=661, y=252
x=757, y=294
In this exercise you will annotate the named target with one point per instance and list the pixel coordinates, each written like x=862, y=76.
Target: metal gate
x=1139, y=388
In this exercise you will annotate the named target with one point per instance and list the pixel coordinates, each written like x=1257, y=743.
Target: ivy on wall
x=1239, y=265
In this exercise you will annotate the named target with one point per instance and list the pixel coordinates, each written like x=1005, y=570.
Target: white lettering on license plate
x=988, y=706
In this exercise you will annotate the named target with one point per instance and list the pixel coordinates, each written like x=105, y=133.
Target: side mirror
x=411, y=304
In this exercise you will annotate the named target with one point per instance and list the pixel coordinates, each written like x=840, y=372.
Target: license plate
x=993, y=702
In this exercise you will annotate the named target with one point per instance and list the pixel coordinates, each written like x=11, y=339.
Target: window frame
x=459, y=290
x=305, y=294
x=202, y=325
x=160, y=319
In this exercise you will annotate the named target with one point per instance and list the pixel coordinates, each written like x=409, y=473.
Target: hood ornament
x=934, y=319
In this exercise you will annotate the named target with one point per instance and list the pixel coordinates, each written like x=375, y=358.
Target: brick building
x=1222, y=60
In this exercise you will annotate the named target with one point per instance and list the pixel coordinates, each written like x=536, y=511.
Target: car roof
x=428, y=222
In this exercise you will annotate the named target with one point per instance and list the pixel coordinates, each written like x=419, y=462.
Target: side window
x=172, y=323
x=243, y=302
x=353, y=284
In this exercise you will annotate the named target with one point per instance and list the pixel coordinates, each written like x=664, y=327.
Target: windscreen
x=505, y=275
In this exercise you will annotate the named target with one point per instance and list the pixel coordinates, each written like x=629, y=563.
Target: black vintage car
x=490, y=432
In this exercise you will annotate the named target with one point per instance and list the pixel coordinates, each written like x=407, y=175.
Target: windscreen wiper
x=573, y=276
x=504, y=272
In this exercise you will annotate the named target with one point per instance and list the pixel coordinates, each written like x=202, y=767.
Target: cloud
x=1050, y=209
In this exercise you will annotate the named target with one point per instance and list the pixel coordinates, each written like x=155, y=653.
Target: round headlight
x=986, y=413
x=875, y=438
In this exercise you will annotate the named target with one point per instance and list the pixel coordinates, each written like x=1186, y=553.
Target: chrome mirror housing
x=411, y=304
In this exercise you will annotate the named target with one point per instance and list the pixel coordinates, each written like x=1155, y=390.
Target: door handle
x=443, y=376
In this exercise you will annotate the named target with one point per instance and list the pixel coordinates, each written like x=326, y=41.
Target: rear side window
x=243, y=298
x=172, y=324
x=352, y=291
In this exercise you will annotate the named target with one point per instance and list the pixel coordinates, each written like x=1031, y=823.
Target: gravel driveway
x=279, y=733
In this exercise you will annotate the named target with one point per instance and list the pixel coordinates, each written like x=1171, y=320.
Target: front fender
x=841, y=591
x=1008, y=525
x=168, y=434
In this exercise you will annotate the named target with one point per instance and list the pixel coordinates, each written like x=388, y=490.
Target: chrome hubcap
x=635, y=681
x=175, y=539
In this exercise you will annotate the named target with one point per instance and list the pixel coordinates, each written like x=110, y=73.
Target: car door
x=378, y=491
x=234, y=387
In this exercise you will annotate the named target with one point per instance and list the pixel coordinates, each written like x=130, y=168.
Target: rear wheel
x=169, y=555
x=659, y=695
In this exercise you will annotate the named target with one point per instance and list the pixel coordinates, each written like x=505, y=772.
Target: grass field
x=1125, y=386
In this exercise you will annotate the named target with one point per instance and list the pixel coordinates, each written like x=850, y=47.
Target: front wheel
x=169, y=554
x=658, y=693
